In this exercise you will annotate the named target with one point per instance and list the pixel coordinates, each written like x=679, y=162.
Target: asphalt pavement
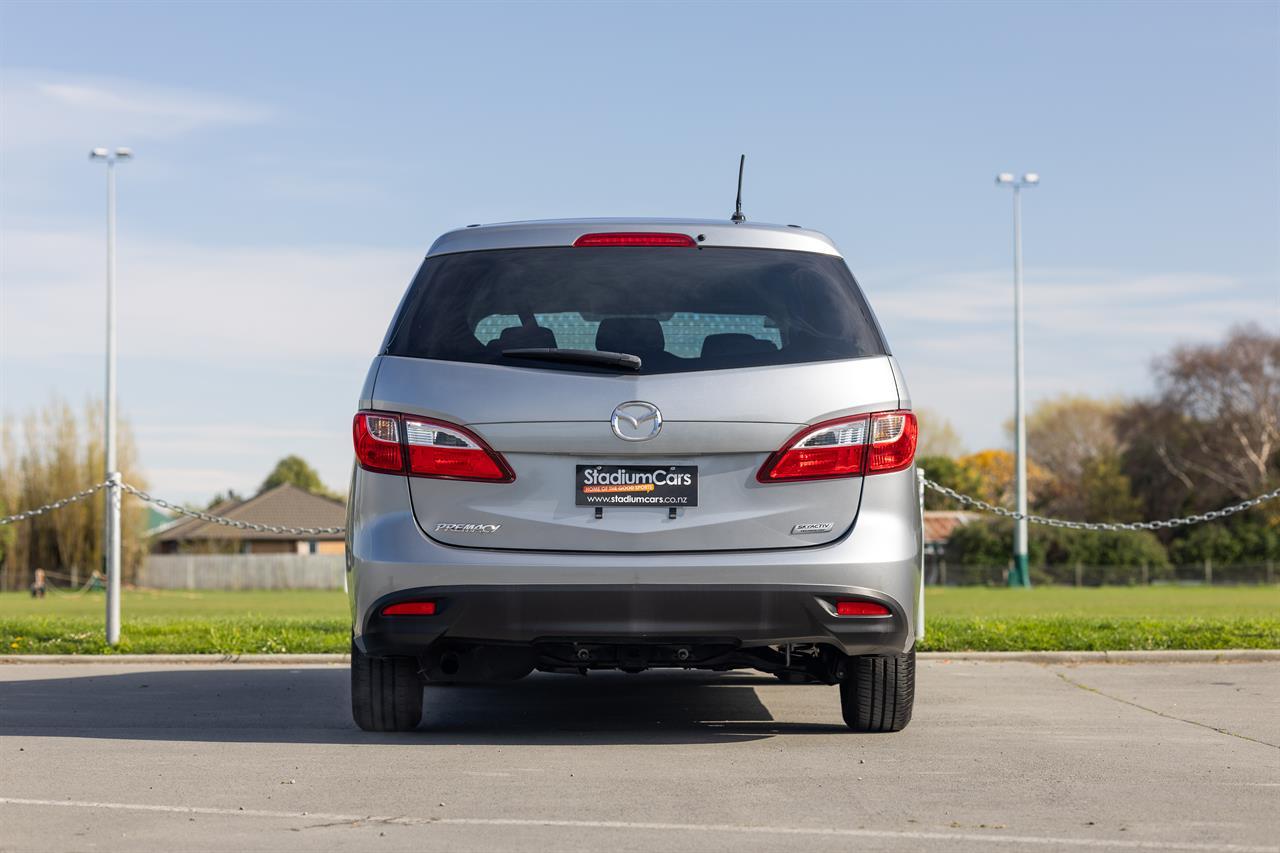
x=1000, y=756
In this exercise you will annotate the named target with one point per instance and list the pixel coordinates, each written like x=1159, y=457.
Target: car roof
x=562, y=232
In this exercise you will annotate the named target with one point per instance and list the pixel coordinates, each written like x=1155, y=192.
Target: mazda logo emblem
x=636, y=421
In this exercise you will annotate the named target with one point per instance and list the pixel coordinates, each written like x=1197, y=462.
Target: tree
x=295, y=471
x=937, y=436
x=230, y=495
x=1104, y=556
x=1215, y=418
x=1240, y=540
x=992, y=470
x=1063, y=433
x=948, y=472
x=1074, y=438
x=1103, y=493
x=57, y=454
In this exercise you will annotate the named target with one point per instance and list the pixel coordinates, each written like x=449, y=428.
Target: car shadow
x=312, y=705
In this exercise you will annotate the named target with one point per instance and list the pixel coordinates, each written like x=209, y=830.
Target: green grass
x=1102, y=618
x=176, y=622
x=959, y=619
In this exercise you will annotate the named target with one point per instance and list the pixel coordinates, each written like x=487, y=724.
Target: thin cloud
x=1092, y=331
x=232, y=305
x=42, y=108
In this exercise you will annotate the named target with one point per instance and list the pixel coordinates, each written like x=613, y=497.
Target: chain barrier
x=1102, y=525
x=172, y=507
x=229, y=522
x=937, y=487
x=49, y=507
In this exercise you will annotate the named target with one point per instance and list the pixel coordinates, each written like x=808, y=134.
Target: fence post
x=1208, y=571
x=1271, y=572
x=1146, y=576
x=1079, y=573
x=942, y=572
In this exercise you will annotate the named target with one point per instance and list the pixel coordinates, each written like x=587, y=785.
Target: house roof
x=284, y=506
x=939, y=524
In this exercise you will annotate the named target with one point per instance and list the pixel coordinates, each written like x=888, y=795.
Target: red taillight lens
x=410, y=608
x=860, y=608
x=448, y=450
x=893, y=442
x=829, y=449
x=638, y=238
x=385, y=440
x=845, y=447
x=377, y=439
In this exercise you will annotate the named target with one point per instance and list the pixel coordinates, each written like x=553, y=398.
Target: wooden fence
x=241, y=571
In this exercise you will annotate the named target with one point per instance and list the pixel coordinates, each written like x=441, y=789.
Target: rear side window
x=678, y=309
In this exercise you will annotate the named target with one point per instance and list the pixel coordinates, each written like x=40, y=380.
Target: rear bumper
x=741, y=617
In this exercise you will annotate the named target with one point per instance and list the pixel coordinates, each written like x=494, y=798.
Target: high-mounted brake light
x=635, y=238
x=845, y=447
x=410, y=608
x=392, y=443
x=858, y=607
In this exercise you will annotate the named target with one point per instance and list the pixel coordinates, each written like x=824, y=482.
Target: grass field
x=959, y=619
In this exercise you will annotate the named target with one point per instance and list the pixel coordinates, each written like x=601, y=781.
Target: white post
x=112, y=538
x=1020, y=558
x=111, y=531
x=1020, y=574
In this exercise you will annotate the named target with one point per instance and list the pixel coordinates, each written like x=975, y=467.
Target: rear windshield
x=677, y=309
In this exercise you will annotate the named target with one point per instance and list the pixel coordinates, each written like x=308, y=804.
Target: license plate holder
x=636, y=485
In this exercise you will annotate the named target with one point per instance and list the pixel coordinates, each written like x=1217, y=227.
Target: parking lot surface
x=1001, y=755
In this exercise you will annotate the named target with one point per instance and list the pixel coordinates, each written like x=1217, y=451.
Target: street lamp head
x=98, y=154
x=1031, y=178
x=1004, y=178
x=126, y=153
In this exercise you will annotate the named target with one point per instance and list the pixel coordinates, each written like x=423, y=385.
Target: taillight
x=447, y=450
x=377, y=438
x=845, y=447
x=637, y=238
x=392, y=443
x=893, y=442
x=857, y=607
x=829, y=449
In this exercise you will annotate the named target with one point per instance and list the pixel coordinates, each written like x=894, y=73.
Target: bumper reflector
x=410, y=608
x=860, y=608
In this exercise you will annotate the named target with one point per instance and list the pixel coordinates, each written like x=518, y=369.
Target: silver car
x=627, y=444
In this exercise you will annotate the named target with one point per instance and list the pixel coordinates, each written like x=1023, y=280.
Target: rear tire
x=386, y=693
x=877, y=692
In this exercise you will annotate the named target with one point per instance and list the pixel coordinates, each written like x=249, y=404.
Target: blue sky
x=294, y=161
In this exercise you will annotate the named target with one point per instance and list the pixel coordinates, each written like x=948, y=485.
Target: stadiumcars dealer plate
x=637, y=485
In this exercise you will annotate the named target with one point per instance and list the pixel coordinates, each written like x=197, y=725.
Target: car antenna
x=737, y=211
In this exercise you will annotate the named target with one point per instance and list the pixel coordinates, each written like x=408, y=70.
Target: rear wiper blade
x=622, y=360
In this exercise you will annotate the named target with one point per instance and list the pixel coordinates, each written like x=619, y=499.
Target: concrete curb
x=1146, y=656
x=282, y=660
x=1161, y=656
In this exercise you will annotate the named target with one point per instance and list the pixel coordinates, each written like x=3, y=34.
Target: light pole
x=111, y=537
x=1020, y=576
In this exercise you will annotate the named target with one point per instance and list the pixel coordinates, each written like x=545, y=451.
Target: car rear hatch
x=740, y=349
